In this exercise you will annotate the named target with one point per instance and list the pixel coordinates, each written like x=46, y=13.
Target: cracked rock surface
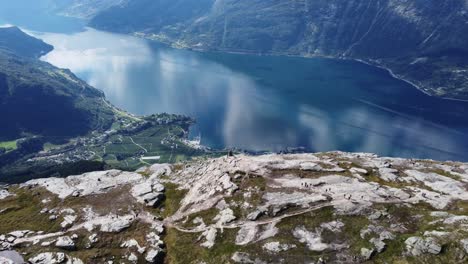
x=306, y=208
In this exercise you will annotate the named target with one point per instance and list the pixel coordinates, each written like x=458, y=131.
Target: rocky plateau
x=306, y=208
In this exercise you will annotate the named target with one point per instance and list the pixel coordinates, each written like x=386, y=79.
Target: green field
x=9, y=145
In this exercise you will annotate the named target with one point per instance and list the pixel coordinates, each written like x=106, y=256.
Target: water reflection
x=268, y=103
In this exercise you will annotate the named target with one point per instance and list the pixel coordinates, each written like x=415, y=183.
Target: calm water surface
x=266, y=102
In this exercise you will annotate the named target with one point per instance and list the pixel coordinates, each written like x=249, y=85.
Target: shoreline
x=286, y=54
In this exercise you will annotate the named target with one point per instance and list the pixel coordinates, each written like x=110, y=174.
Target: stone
x=386, y=235
x=225, y=216
x=108, y=223
x=154, y=240
x=53, y=217
x=240, y=257
x=65, y=242
x=378, y=244
x=367, y=253
x=435, y=233
x=132, y=243
x=210, y=236
x=68, y=221
x=117, y=225
x=153, y=255
x=48, y=258
x=246, y=234
x=5, y=260
x=20, y=234
x=359, y=171
x=48, y=243
x=276, y=247
x=148, y=192
x=313, y=240
x=375, y=216
x=4, y=194
x=11, y=257
x=388, y=174
x=93, y=238
x=132, y=258
x=464, y=244
x=257, y=213
x=417, y=246
x=334, y=226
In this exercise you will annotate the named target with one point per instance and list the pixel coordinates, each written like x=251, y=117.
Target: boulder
x=333, y=226
x=276, y=247
x=68, y=221
x=225, y=216
x=313, y=240
x=148, y=193
x=210, y=235
x=154, y=255
x=132, y=258
x=246, y=234
x=48, y=258
x=378, y=244
x=257, y=213
x=4, y=194
x=417, y=246
x=367, y=253
x=464, y=244
x=117, y=224
x=65, y=242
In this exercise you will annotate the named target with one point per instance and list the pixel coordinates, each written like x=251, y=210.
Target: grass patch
x=173, y=198
x=183, y=248
x=9, y=145
x=23, y=213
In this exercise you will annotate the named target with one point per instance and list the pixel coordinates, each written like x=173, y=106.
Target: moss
x=173, y=198
x=23, y=213
x=444, y=173
x=184, y=248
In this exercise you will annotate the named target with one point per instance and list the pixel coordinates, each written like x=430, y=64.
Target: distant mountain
x=422, y=41
x=83, y=8
x=41, y=99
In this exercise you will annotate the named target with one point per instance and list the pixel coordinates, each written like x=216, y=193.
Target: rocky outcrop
x=345, y=207
x=87, y=184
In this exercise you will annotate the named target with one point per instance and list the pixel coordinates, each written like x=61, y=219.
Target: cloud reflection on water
x=239, y=109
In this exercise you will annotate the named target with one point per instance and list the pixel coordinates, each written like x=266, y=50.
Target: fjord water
x=267, y=102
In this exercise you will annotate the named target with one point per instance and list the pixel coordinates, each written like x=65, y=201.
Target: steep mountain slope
x=41, y=99
x=13, y=40
x=422, y=41
x=308, y=208
x=55, y=124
